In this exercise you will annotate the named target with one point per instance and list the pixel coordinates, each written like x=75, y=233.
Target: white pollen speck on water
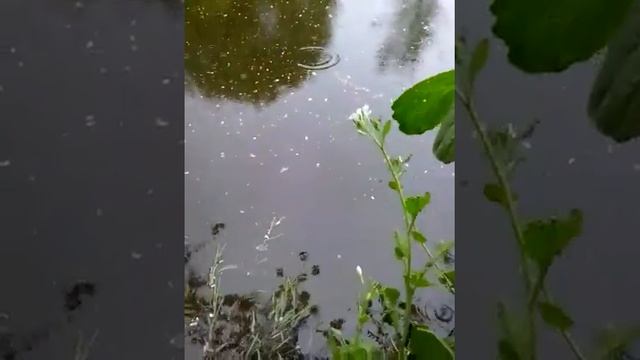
x=571, y=161
x=136, y=255
x=284, y=169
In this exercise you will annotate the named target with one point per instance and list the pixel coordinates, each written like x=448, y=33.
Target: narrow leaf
x=554, y=316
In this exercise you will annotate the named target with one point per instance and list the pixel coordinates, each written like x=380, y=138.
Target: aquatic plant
x=251, y=326
x=399, y=330
x=540, y=242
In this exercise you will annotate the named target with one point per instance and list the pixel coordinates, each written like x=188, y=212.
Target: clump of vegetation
x=395, y=326
x=253, y=326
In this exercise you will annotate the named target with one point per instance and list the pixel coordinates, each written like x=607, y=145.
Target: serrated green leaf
x=545, y=239
x=425, y=345
x=549, y=36
x=415, y=204
x=425, y=105
x=554, y=316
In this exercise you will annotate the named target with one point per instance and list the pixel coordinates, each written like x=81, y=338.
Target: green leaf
x=515, y=338
x=444, y=146
x=386, y=129
x=495, y=193
x=401, y=247
x=391, y=295
x=393, y=185
x=415, y=204
x=450, y=276
x=614, y=102
x=425, y=105
x=545, y=239
x=417, y=280
x=612, y=341
x=554, y=316
x=417, y=236
x=549, y=36
x=425, y=345
x=507, y=351
x=478, y=60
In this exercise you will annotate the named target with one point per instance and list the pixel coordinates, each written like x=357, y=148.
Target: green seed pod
x=614, y=104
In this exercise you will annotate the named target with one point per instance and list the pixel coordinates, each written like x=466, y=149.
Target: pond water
x=267, y=137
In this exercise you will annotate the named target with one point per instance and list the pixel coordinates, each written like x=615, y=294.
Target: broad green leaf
x=554, y=316
x=425, y=105
x=614, y=103
x=444, y=146
x=478, y=60
x=425, y=345
x=545, y=239
x=549, y=36
x=415, y=204
x=419, y=237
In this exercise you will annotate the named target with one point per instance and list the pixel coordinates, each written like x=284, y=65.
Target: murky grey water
x=267, y=138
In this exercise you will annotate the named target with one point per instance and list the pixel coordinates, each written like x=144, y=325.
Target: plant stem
x=566, y=335
x=509, y=204
x=407, y=264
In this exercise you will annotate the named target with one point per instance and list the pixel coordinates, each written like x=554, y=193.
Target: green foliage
x=614, y=103
x=415, y=204
x=444, y=146
x=425, y=345
x=549, y=36
x=546, y=239
x=554, y=316
x=612, y=342
x=421, y=108
x=426, y=105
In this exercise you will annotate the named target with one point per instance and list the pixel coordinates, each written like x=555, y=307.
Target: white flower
x=361, y=113
x=359, y=271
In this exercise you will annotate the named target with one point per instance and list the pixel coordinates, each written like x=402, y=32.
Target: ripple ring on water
x=326, y=61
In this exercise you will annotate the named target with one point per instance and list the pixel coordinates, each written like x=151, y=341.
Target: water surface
x=268, y=138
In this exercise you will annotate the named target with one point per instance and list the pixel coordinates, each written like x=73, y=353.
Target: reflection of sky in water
x=299, y=157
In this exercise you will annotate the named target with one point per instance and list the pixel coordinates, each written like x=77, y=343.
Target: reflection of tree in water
x=249, y=50
x=409, y=31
